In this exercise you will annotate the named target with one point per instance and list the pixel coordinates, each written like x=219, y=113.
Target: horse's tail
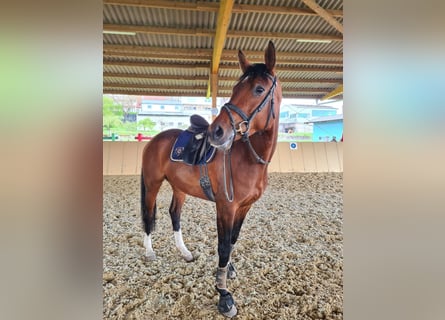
x=149, y=222
x=143, y=206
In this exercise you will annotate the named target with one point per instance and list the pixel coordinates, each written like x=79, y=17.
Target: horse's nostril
x=219, y=132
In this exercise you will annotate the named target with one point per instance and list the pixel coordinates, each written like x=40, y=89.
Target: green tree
x=110, y=107
x=147, y=124
x=112, y=114
x=111, y=122
x=130, y=127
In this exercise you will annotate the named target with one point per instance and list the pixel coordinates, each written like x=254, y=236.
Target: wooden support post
x=214, y=86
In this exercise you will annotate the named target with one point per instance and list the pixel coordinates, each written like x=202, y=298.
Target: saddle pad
x=177, y=153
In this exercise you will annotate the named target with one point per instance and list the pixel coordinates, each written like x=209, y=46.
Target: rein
x=243, y=130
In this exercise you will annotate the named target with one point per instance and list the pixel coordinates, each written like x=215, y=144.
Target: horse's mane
x=255, y=70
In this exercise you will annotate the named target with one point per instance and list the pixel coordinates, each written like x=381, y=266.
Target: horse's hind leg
x=149, y=191
x=175, y=214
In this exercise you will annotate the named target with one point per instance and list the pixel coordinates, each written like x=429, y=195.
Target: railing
x=124, y=158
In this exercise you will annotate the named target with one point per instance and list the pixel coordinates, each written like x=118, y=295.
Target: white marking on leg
x=185, y=253
x=149, y=253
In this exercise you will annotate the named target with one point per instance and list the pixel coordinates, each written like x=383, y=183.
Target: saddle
x=198, y=124
x=192, y=146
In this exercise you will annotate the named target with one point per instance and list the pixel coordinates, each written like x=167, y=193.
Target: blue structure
x=295, y=117
x=327, y=128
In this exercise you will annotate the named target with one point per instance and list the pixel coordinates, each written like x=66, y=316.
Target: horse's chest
x=254, y=191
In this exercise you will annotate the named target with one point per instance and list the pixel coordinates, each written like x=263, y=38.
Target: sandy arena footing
x=289, y=256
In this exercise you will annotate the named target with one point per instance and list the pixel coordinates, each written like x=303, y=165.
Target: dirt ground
x=289, y=255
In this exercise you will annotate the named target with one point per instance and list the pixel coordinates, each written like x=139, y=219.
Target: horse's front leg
x=237, y=223
x=231, y=271
x=226, y=304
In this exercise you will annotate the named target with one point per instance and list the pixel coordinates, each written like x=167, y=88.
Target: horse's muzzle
x=219, y=137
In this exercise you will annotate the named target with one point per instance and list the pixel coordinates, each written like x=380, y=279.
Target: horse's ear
x=269, y=57
x=243, y=62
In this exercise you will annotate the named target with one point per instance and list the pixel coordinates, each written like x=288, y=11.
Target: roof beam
x=230, y=59
x=304, y=90
x=247, y=8
x=197, y=93
x=163, y=4
x=152, y=93
x=197, y=32
x=157, y=65
x=213, y=7
x=191, y=89
x=162, y=56
x=201, y=87
x=291, y=68
x=208, y=52
x=154, y=76
x=282, y=35
x=336, y=92
x=302, y=96
x=294, y=80
x=162, y=50
x=324, y=14
x=285, y=55
x=206, y=65
x=151, y=86
x=205, y=78
x=133, y=91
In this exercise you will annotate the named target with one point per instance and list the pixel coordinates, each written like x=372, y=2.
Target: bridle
x=243, y=128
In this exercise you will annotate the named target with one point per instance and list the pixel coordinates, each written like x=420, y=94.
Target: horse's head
x=253, y=105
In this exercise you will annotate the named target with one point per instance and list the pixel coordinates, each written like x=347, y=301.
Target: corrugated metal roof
x=172, y=48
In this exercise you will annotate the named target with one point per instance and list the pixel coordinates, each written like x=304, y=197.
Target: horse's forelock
x=255, y=70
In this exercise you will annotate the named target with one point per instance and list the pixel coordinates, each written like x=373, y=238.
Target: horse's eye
x=259, y=90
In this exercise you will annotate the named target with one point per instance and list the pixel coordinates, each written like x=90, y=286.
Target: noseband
x=244, y=126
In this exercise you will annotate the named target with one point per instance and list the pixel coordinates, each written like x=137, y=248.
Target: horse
x=244, y=135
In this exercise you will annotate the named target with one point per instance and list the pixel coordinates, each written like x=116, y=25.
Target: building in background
x=328, y=128
x=294, y=117
x=298, y=120
x=173, y=112
x=129, y=105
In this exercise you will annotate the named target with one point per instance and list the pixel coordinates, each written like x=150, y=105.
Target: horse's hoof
x=188, y=257
x=231, y=271
x=226, y=304
x=231, y=313
x=150, y=257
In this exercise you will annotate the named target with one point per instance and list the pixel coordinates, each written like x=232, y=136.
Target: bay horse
x=245, y=136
